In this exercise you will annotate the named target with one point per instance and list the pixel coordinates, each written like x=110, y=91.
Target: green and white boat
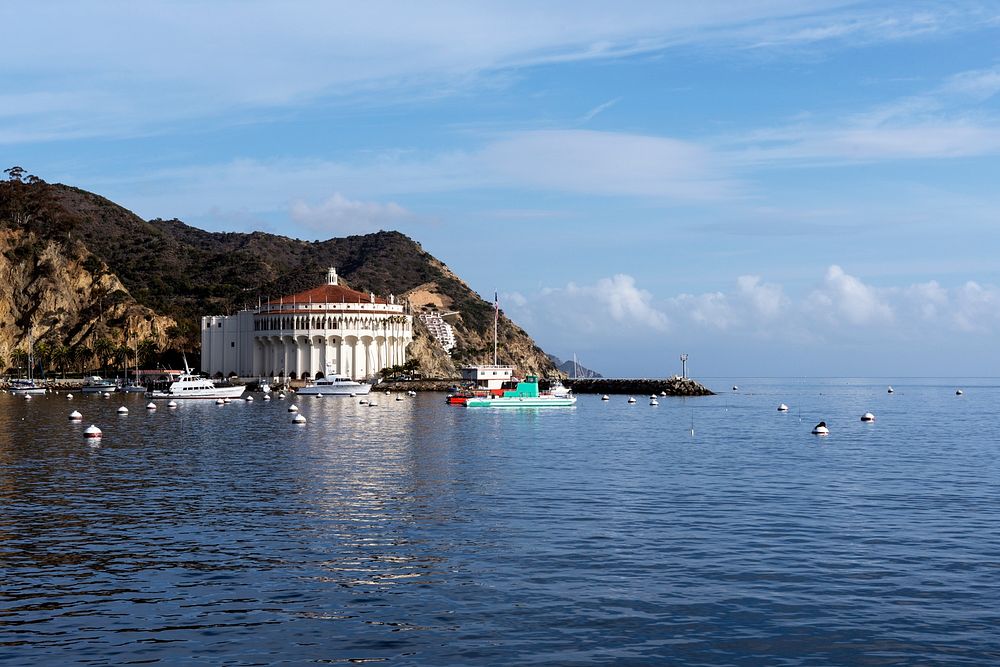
x=526, y=395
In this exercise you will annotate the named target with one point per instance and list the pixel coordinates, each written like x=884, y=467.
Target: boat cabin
x=487, y=376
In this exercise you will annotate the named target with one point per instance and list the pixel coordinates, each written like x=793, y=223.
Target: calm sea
x=708, y=531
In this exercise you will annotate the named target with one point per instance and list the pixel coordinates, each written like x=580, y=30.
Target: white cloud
x=594, y=314
x=340, y=216
x=842, y=298
x=841, y=307
x=977, y=309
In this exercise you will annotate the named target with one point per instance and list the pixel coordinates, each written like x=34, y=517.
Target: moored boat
x=526, y=395
x=335, y=385
x=95, y=384
x=188, y=385
x=23, y=387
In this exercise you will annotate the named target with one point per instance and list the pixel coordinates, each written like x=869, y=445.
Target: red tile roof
x=327, y=294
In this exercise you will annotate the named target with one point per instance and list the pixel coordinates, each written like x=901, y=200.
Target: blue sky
x=774, y=187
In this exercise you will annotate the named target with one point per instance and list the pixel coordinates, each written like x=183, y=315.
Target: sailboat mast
x=496, y=321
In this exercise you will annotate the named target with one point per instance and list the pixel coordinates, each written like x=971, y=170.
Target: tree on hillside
x=26, y=202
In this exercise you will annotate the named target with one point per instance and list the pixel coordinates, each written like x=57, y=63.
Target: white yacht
x=95, y=384
x=188, y=385
x=559, y=390
x=335, y=385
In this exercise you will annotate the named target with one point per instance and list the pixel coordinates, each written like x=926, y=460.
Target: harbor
x=406, y=532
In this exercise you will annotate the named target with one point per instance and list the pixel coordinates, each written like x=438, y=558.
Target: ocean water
x=705, y=531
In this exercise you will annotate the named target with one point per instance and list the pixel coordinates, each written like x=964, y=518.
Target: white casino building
x=328, y=330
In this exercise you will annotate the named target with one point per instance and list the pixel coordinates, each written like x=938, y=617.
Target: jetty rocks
x=675, y=386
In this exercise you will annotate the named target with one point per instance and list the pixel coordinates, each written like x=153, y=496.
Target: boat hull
x=31, y=391
x=333, y=390
x=218, y=392
x=98, y=389
x=521, y=402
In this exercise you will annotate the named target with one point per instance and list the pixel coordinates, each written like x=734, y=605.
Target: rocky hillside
x=178, y=273
x=78, y=315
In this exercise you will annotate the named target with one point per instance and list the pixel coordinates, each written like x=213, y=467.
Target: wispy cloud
x=569, y=161
x=192, y=61
x=944, y=122
x=600, y=108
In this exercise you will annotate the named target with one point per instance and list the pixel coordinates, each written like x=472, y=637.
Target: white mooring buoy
x=69, y=397
x=293, y=408
x=821, y=429
x=958, y=392
x=152, y=406
x=605, y=398
x=171, y=404
x=868, y=417
x=782, y=408
x=249, y=399
x=653, y=401
x=92, y=432
x=123, y=410
x=298, y=419
x=219, y=401
x=75, y=416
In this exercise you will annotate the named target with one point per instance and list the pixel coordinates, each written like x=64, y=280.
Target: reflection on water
x=418, y=533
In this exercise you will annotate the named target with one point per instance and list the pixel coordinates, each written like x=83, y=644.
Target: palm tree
x=42, y=352
x=120, y=357
x=61, y=355
x=147, y=350
x=19, y=358
x=81, y=355
x=104, y=350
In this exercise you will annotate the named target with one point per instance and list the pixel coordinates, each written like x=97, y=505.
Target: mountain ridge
x=181, y=272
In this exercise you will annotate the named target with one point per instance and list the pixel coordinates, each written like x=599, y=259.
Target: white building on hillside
x=328, y=330
x=439, y=329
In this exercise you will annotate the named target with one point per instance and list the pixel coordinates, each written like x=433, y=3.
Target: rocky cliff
x=76, y=312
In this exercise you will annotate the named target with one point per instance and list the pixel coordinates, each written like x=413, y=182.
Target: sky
x=774, y=187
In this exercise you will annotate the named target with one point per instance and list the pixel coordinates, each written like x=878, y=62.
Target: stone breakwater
x=674, y=386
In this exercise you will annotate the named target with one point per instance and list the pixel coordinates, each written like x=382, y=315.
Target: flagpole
x=496, y=321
